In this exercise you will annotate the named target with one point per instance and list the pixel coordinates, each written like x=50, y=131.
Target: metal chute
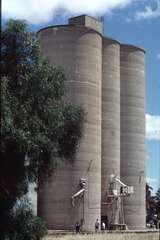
x=82, y=184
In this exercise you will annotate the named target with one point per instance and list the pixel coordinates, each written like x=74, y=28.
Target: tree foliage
x=25, y=225
x=152, y=207
x=37, y=126
x=157, y=198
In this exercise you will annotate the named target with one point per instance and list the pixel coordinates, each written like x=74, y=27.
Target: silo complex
x=106, y=78
x=133, y=153
x=79, y=51
x=110, y=116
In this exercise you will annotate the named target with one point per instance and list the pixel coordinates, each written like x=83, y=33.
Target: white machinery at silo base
x=80, y=193
x=114, y=202
x=115, y=195
x=78, y=197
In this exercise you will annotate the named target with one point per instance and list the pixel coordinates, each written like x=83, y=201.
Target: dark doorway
x=105, y=220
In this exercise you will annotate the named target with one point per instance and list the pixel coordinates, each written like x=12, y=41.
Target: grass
x=106, y=236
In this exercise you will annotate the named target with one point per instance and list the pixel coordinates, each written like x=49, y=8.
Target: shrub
x=25, y=225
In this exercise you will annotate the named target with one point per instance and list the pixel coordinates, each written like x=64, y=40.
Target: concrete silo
x=133, y=154
x=107, y=79
x=110, y=121
x=78, y=49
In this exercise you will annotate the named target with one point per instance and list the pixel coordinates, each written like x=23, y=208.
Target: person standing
x=77, y=227
x=103, y=226
x=97, y=225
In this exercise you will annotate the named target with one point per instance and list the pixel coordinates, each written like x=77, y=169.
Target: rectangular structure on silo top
x=87, y=21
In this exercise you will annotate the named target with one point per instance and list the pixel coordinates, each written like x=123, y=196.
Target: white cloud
x=154, y=183
x=149, y=12
x=41, y=11
x=158, y=56
x=151, y=180
x=152, y=127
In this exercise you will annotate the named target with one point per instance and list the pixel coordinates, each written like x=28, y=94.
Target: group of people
x=97, y=226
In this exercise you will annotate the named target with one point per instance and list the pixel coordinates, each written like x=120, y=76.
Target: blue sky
x=129, y=21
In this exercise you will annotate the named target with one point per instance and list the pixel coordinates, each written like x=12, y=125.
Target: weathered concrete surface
x=133, y=152
x=79, y=51
x=110, y=119
x=150, y=235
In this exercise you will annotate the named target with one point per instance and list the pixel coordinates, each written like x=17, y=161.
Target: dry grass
x=106, y=236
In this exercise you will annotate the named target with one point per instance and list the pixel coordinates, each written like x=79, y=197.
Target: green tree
x=157, y=198
x=37, y=126
x=152, y=206
x=25, y=225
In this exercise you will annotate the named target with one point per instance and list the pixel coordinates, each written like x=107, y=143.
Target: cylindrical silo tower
x=133, y=153
x=78, y=49
x=110, y=122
